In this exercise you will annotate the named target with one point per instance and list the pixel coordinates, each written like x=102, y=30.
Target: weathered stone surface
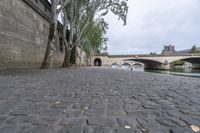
x=181, y=130
x=83, y=100
x=24, y=35
x=123, y=130
x=102, y=122
x=10, y=129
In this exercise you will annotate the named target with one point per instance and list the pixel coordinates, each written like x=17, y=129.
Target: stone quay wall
x=24, y=28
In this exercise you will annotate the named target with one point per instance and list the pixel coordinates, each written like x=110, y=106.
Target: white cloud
x=154, y=23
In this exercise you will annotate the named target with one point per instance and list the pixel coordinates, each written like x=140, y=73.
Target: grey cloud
x=154, y=23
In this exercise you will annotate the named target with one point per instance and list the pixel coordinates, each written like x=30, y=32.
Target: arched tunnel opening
x=97, y=62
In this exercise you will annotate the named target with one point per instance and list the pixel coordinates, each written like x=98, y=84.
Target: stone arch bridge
x=147, y=61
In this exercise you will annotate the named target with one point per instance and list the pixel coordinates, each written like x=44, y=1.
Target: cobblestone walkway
x=97, y=100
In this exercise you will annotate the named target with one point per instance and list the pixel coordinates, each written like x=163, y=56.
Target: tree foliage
x=153, y=53
x=178, y=63
x=85, y=17
x=194, y=49
x=94, y=38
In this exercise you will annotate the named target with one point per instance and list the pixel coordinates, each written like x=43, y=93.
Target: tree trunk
x=69, y=56
x=80, y=57
x=65, y=43
x=47, y=61
x=76, y=51
x=66, y=58
x=68, y=43
x=90, y=61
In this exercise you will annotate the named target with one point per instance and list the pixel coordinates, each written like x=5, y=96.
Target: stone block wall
x=82, y=59
x=24, y=35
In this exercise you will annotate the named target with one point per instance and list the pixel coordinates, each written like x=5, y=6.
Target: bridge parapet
x=148, y=55
x=151, y=61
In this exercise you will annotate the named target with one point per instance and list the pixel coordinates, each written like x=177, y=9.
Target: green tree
x=178, y=63
x=94, y=38
x=153, y=53
x=79, y=11
x=194, y=49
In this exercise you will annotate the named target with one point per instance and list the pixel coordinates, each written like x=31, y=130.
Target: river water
x=189, y=72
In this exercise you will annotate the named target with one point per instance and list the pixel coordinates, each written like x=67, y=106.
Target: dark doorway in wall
x=97, y=62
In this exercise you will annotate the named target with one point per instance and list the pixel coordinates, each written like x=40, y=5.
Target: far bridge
x=147, y=61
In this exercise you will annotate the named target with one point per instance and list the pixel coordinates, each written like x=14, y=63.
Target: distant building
x=168, y=50
x=186, y=51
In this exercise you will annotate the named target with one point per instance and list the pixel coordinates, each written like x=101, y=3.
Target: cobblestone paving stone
x=97, y=100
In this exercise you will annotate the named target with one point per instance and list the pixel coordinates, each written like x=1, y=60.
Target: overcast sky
x=154, y=23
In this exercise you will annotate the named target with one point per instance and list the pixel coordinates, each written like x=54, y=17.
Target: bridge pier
x=196, y=65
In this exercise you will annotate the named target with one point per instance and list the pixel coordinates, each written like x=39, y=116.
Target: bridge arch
x=115, y=65
x=137, y=64
x=97, y=62
x=149, y=64
x=126, y=64
x=188, y=59
x=195, y=61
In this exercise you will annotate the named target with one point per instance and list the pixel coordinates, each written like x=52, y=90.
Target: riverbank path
x=97, y=100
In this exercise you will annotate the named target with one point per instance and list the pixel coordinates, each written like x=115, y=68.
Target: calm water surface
x=175, y=71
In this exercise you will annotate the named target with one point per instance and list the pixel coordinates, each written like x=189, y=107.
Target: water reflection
x=115, y=66
x=187, y=71
x=139, y=69
x=126, y=67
